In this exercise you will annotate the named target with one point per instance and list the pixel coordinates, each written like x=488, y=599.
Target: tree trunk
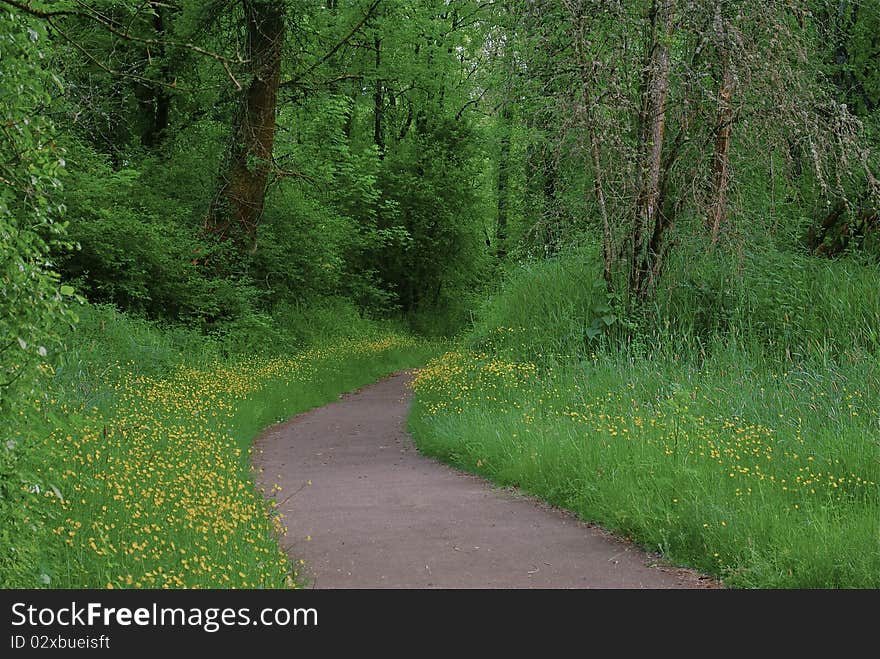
x=503, y=178
x=238, y=206
x=378, y=104
x=721, y=157
x=649, y=225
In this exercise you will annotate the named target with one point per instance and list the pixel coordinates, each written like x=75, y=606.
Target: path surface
x=380, y=515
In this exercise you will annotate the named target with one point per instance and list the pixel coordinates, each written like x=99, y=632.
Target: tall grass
x=793, y=306
x=786, y=306
x=735, y=427
x=544, y=311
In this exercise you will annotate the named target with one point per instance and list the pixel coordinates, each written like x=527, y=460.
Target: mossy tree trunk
x=238, y=206
x=649, y=225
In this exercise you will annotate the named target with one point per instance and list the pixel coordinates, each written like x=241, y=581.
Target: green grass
x=135, y=473
x=736, y=429
x=785, y=306
x=773, y=484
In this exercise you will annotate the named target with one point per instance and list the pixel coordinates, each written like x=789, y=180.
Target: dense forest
x=657, y=219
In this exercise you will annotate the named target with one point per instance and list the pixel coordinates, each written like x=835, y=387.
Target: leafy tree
x=32, y=301
x=34, y=305
x=652, y=114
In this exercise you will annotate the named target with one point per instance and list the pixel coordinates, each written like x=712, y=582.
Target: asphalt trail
x=378, y=514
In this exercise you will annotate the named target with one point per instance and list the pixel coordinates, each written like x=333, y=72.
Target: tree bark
x=238, y=206
x=649, y=224
x=378, y=104
x=721, y=156
x=503, y=178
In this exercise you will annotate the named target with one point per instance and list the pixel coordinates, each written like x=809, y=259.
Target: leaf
x=22, y=343
x=592, y=332
x=608, y=320
x=67, y=290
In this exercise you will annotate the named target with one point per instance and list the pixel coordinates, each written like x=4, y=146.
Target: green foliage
x=433, y=182
x=547, y=310
x=764, y=476
x=140, y=248
x=147, y=123
x=293, y=327
x=850, y=31
x=34, y=307
x=310, y=249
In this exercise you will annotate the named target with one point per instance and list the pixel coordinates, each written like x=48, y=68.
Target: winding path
x=365, y=510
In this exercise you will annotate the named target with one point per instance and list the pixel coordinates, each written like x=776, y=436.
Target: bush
x=142, y=252
x=33, y=304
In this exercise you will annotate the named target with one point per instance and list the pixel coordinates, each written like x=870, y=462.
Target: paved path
x=380, y=515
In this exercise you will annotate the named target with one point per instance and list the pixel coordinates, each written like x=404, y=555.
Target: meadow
x=136, y=479
x=773, y=484
x=746, y=447
x=750, y=453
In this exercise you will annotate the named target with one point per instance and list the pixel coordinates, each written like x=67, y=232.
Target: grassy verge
x=766, y=477
x=135, y=473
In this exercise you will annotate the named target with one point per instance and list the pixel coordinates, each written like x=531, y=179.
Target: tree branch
x=40, y=13
x=113, y=28
x=339, y=44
